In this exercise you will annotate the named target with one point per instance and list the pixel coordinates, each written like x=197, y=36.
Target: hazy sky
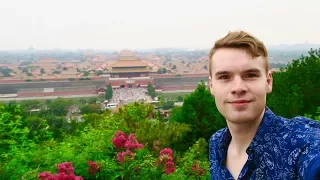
x=117, y=24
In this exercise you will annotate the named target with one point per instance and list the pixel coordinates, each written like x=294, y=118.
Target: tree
x=109, y=92
x=180, y=98
x=93, y=100
x=199, y=111
x=30, y=104
x=42, y=71
x=99, y=73
x=174, y=67
x=151, y=90
x=25, y=70
x=296, y=87
x=59, y=106
x=5, y=71
x=12, y=133
x=65, y=68
x=86, y=73
x=205, y=67
x=90, y=108
x=164, y=70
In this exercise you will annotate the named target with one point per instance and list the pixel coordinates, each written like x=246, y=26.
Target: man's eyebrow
x=253, y=70
x=221, y=73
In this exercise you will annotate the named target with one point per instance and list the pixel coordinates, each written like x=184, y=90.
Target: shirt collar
x=266, y=127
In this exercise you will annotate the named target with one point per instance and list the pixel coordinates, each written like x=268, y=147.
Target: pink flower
x=65, y=173
x=119, y=140
x=165, y=160
x=45, y=176
x=64, y=176
x=132, y=143
x=65, y=167
x=124, y=156
x=169, y=167
x=166, y=151
x=120, y=133
x=93, y=168
x=197, y=170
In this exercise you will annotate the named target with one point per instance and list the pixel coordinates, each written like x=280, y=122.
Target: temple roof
x=140, y=70
x=129, y=63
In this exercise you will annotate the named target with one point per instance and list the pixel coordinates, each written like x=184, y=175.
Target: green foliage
x=157, y=135
x=166, y=105
x=162, y=71
x=35, y=142
x=86, y=78
x=109, y=92
x=93, y=118
x=12, y=132
x=199, y=111
x=196, y=154
x=93, y=100
x=39, y=128
x=86, y=73
x=205, y=67
x=151, y=90
x=296, y=88
x=134, y=113
x=180, y=98
x=59, y=107
x=90, y=108
x=30, y=104
x=5, y=71
x=315, y=116
x=99, y=73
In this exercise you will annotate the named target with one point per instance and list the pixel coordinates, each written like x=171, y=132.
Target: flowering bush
x=65, y=173
x=124, y=156
x=165, y=161
x=141, y=154
x=197, y=170
x=122, y=141
x=93, y=168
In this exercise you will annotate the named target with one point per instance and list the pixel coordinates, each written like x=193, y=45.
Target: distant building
x=128, y=65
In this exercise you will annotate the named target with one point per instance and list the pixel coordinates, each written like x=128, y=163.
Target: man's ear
x=269, y=82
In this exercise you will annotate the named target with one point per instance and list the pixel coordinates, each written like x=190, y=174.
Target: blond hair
x=241, y=40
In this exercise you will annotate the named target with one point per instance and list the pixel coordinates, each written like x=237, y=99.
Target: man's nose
x=238, y=86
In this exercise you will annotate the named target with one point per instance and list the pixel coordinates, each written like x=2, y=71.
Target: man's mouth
x=240, y=101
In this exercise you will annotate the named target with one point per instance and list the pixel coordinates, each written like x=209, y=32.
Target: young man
x=256, y=144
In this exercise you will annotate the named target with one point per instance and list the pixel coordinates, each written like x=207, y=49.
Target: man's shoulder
x=301, y=131
x=303, y=124
x=307, y=122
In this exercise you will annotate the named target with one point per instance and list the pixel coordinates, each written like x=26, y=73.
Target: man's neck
x=243, y=134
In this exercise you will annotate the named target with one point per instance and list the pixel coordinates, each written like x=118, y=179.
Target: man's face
x=239, y=84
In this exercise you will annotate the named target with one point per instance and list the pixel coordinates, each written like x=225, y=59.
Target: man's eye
x=223, y=77
x=252, y=75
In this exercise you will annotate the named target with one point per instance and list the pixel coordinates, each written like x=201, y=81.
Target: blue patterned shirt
x=281, y=149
